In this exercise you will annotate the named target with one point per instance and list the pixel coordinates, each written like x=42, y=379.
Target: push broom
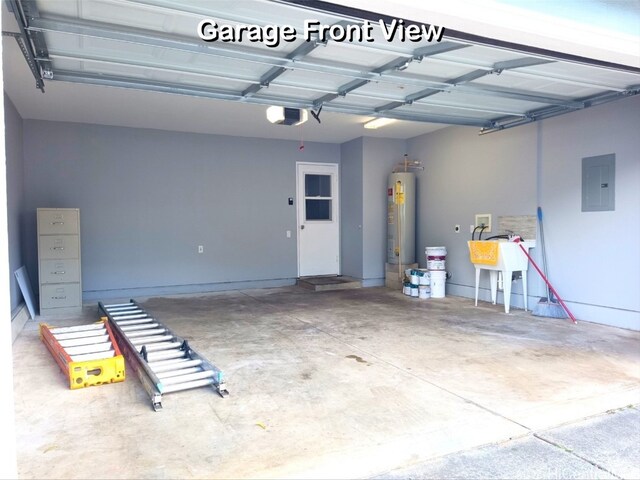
x=544, y=277
x=546, y=307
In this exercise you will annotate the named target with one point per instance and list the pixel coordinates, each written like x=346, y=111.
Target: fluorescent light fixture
x=379, y=122
x=286, y=116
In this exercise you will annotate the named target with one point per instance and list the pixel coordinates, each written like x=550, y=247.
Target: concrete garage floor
x=337, y=384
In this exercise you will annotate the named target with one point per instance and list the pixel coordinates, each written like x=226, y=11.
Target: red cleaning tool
x=547, y=282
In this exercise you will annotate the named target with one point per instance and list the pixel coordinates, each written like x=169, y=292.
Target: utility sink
x=500, y=256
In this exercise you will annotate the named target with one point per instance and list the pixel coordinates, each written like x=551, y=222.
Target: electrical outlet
x=200, y=248
x=456, y=229
x=288, y=233
x=471, y=227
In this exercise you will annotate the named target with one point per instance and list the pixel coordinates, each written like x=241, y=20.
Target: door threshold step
x=323, y=284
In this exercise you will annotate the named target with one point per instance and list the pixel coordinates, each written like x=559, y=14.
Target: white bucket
x=425, y=291
x=436, y=257
x=415, y=291
x=414, y=277
x=406, y=289
x=438, y=280
x=425, y=278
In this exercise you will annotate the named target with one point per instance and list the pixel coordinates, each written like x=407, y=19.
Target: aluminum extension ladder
x=164, y=362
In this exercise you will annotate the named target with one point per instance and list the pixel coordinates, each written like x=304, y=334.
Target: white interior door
x=318, y=222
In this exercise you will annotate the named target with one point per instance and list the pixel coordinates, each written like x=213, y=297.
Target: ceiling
x=140, y=63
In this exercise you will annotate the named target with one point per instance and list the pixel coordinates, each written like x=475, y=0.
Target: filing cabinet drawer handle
x=59, y=298
x=58, y=273
x=57, y=248
x=57, y=223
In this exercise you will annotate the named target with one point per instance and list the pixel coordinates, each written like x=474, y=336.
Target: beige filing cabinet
x=59, y=269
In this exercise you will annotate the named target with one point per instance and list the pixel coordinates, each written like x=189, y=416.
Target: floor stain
x=356, y=358
x=49, y=448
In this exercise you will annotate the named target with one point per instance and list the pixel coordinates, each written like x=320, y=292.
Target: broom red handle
x=548, y=284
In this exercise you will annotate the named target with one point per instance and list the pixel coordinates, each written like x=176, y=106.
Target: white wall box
x=59, y=266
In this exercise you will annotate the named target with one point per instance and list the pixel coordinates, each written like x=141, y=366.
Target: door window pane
x=317, y=185
x=318, y=209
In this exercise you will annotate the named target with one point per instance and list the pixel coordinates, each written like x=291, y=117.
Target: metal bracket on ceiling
x=32, y=46
x=28, y=57
x=315, y=113
x=632, y=90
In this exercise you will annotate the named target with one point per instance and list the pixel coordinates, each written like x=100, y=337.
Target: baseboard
x=93, y=296
x=18, y=320
x=613, y=317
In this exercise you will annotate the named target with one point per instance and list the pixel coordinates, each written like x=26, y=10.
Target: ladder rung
x=119, y=306
x=129, y=317
x=79, y=328
x=83, y=349
x=134, y=322
x=189, y=377
x=155, y=347
x=124, y=311
x=93, y=356
x=165, y=355
x=175, y=364
x=138, y=342
x=176, y=373
x=127, y=312
x=76, y=342
x=90, y=333
x=135, y=328
x=141, y=333
x=178, y=387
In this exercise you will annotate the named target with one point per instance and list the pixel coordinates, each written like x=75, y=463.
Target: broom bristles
x=550, y=309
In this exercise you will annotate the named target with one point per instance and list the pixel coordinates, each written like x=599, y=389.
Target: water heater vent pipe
x=407, y=165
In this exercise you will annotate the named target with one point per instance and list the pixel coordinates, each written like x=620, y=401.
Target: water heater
x=401, y=218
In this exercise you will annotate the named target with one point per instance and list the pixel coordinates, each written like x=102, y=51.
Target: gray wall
x=594, y=257
x=467, y=174
x=351, y=208
x=148, y=198
x=15, y=194
x=365, y=165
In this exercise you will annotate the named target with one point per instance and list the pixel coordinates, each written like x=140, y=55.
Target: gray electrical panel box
x=598, y=183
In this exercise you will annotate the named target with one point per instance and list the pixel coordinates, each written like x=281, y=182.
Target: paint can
x=424, y=291
x=436, y=257
x=406, y=289
x=424, y=277
x=415, y=291
x=415, y=277
x=438, y=280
